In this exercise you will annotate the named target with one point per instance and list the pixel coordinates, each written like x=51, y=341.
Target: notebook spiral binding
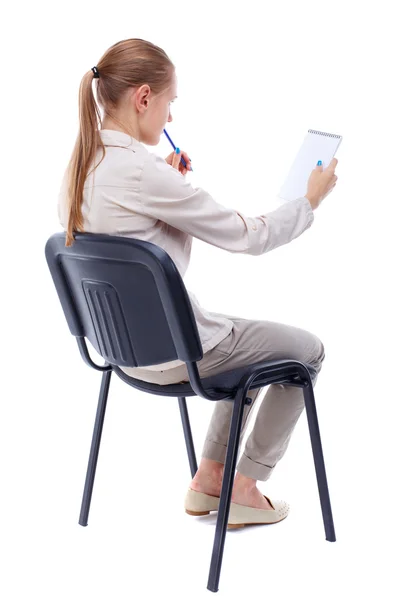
x=323, y=133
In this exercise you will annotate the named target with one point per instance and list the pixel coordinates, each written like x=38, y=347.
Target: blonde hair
x=126, y=64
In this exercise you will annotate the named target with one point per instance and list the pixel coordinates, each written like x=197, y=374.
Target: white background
x=253, y=77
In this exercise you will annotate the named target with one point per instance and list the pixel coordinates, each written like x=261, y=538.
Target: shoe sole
x=233, y=525
x=239, y=525
x=197, y=514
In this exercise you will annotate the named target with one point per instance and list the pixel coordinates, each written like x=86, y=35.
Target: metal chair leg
x=226, y=493
x=188, y=435
x=312, y=418
x=94, y=449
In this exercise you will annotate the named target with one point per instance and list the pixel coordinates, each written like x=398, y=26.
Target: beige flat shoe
x=197, y=503
x=239, y=515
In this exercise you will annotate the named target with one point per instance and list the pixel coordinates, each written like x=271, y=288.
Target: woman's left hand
x=174, y=160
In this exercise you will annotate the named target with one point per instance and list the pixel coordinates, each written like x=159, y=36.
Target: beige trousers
x=252, y=341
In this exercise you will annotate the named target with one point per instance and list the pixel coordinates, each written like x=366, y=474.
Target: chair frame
x=300, y=378
x=288, y=372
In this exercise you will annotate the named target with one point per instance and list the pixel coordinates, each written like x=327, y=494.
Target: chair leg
x=188, y=435
x=312, y=418
x=226, y=493
x=94, y=449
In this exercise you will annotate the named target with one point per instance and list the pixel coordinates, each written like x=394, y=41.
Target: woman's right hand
x=174, y=160
x=321, y=183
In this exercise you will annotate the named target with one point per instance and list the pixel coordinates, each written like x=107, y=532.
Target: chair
x=128, y=299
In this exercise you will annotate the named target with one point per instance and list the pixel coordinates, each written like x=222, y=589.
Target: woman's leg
x=280, y=409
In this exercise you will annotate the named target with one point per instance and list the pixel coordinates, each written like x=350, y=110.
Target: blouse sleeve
x=165, y=194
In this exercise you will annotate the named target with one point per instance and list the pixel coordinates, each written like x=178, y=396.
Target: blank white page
x=317, y=145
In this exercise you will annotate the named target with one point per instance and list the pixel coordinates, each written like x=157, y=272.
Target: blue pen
x=174, y=147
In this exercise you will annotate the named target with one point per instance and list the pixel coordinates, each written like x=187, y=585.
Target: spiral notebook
x=317, y=145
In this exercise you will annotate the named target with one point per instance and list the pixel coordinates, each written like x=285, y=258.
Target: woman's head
x=136, y=84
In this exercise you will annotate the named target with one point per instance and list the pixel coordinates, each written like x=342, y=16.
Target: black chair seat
x=227, y=381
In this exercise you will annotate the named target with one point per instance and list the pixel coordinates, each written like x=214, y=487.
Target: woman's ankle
x=209, y=473
x=210, y=467
x=243, y=483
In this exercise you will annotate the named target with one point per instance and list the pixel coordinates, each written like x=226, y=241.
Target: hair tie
x=96, y=73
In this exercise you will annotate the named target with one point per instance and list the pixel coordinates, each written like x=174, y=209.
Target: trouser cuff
x=246, y=466
x=252, y=469
x=214, y=451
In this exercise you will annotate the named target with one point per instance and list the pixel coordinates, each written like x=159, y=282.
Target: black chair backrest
x=126, y=296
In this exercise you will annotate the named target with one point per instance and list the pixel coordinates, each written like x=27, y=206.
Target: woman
x=114, y=185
